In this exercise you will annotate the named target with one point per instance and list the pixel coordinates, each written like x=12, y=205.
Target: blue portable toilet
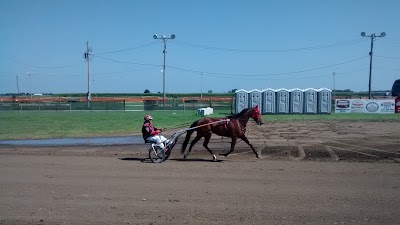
x=255, y=98
x=268, y=101
x=296, y=100
x=241, y=100
x=282, y=101
x=324, y=100
x=310, y=101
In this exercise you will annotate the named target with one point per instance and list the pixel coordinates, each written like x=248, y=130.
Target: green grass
x=34, y=125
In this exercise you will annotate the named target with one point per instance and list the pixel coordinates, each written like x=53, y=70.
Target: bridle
x=255, y=115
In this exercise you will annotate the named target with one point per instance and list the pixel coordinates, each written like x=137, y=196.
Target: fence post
x=184, y=106
x=232, y=104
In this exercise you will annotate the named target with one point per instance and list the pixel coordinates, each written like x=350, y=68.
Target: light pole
x=87, y=55
x=372, y=36
x=201, y=94
x=30, y=84
x=18, y=84
x=164, y=38
x=334, y=88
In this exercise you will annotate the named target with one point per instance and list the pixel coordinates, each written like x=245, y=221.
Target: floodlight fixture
x=373, y=36
x=164, y=38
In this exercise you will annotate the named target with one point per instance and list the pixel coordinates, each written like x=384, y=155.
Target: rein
x=219, y=121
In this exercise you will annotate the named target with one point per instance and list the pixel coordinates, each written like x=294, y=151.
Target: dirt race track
x=311, y=173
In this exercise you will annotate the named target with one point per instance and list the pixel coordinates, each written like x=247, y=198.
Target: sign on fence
x=364, y=106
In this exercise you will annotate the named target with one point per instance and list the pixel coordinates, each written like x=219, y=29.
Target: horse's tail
x=187, y=138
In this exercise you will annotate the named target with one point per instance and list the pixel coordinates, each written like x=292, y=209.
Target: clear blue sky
x=237, y=44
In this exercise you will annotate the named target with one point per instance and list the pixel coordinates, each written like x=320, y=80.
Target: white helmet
x=148, y=117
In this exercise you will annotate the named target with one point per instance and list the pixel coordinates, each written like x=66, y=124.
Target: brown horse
x=232, y=126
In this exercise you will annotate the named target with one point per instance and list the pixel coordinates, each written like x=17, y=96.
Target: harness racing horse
x=234, y=128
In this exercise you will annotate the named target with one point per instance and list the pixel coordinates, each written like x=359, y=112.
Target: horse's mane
x=239, y=114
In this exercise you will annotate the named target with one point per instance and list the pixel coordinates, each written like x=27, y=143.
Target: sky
x=219, y=45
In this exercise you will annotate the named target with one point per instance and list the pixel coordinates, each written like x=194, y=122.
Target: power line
x=338, y=44
x=127, y=62
x=235, y=75
x=287, y=78
x=386, y=57
x=120, y=72
x=45, y=67
x=266, y=74
x=128, y=49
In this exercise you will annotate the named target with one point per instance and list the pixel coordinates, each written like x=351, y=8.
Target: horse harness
x=226, y=122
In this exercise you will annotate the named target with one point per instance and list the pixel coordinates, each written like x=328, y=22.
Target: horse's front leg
x=258, y=154
x=196, y=139
x=233, y=143
x=205, y=144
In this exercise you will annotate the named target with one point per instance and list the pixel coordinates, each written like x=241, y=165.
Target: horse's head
x=256, y=115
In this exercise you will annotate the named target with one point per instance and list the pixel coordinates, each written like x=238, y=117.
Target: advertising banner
x=342, y=106
x=379, y=106
x=357, y=106
x=364, y=106
x=397, y=105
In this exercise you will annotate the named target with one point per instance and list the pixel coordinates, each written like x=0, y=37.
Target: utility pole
x=87, y=58
x=30, y=84
x=164, y=38
x=334, y=88
x=17, y=84
x=373, y=37
x=201, y=94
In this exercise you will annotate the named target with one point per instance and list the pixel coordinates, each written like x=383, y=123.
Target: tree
x=210, y=91
x=147, y=91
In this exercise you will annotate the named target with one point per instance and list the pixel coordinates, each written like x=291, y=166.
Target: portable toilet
x=296, y=100
x=282, y=101
x=255, y=98
x=324, y=100
x=241, y=100
x=310, y=101
x=268, y=101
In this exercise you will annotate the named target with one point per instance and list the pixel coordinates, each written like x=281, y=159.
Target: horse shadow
x=135, y=159
x=147, y=160
x=197, y=160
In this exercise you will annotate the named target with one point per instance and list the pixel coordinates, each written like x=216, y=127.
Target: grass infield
x=40, y=124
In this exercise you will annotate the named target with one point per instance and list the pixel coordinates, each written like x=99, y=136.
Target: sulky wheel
x=169, y=148
x=156, y=154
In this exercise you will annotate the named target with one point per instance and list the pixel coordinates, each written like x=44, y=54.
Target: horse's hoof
x=214, y=158
x=260, y=157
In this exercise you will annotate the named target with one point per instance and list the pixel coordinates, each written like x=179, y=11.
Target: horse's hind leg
x=195, y=140
x=258, y=154
x=233, y=143
x=205, y=144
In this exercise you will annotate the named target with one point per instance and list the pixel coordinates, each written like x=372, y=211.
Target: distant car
x=396, y=88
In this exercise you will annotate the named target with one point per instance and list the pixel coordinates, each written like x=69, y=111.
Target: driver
x=152, y=134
